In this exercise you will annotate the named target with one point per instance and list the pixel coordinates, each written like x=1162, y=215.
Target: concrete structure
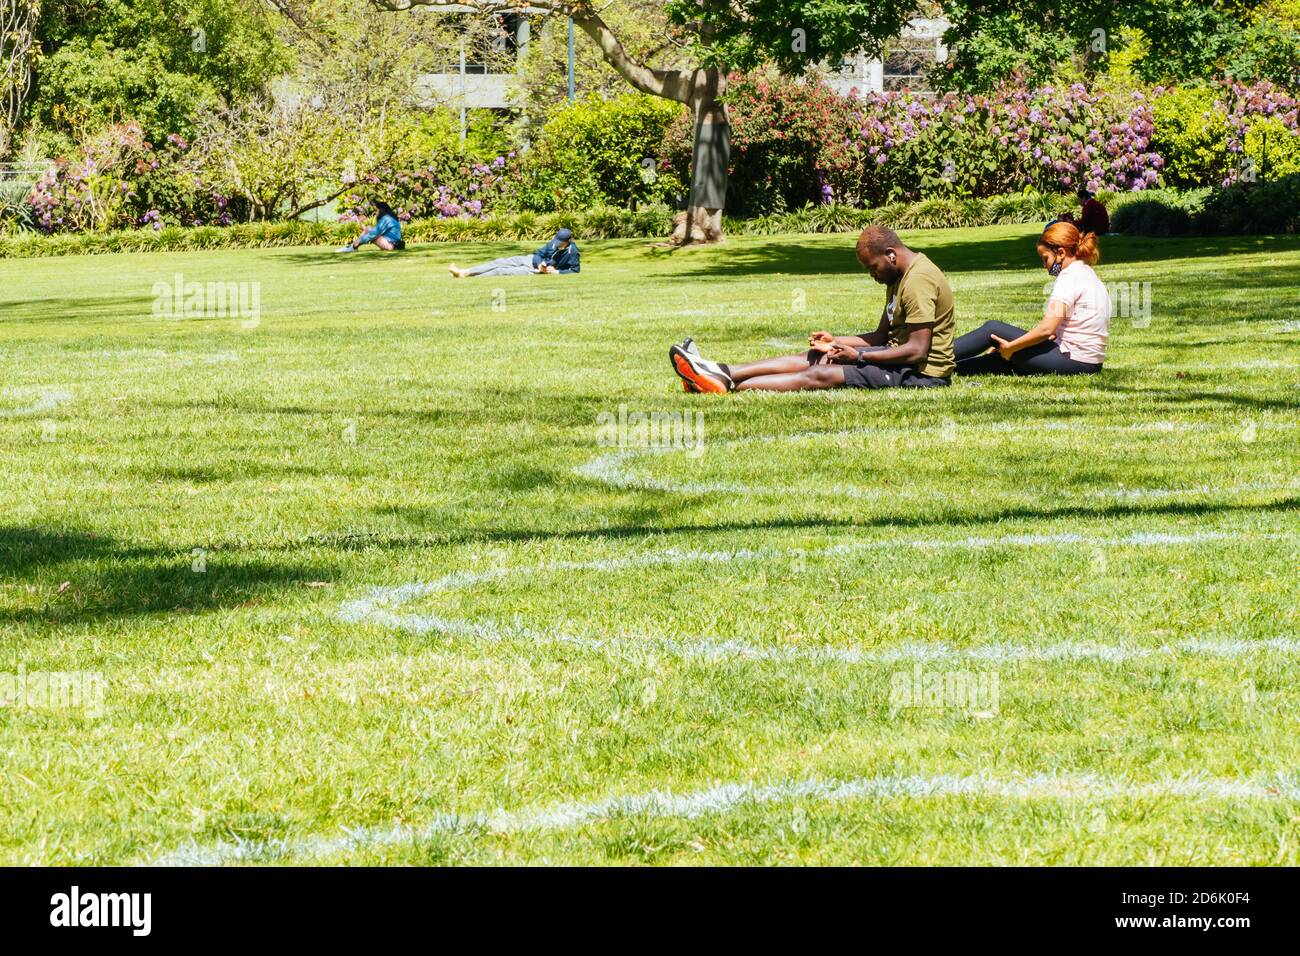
x=474, y=87
x=919, y=48
x=478, y=84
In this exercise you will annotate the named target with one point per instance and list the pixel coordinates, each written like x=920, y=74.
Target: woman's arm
x=1053, y=316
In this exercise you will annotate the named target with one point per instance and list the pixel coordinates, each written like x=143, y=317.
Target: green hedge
x=1242, y=208
x=590, y=224
x=1254, y=207
x=927, y=214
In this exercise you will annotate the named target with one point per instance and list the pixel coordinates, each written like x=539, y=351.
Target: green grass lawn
x=628, y=655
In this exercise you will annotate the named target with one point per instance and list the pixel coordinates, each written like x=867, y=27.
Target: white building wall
x=858, y=74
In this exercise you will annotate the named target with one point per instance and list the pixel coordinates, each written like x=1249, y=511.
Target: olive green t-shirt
x=922, y=296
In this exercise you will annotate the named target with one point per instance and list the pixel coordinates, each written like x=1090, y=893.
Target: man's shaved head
x=880, y=252
x=876, y=239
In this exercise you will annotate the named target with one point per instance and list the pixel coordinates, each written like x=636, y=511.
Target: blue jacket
x=388, y=227
x=566, y=260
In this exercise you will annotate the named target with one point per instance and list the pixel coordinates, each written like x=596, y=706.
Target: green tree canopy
x=161, y=62
x=1179, y=40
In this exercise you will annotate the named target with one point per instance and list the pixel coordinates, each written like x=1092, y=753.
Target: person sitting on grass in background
x=558, y=257
x=1092, y=217
x=1071, y=337
x=386, y=233
x=910, y=348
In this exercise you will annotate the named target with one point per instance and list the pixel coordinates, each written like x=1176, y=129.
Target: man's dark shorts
x=880, y=376
x=888, y=376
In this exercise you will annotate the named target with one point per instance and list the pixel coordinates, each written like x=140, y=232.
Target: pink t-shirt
x=1082, y=334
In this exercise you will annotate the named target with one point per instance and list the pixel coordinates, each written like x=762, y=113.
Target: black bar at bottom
x=339, y=905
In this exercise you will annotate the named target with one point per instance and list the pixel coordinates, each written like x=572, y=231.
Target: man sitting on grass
x=557, y=257
x=910, y=348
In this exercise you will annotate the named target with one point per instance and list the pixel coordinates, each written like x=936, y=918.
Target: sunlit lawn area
x=630, y=655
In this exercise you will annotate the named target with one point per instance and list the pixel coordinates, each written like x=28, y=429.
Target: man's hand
x=842, y=354
x=1003, y=347
x=821, y=341
x=544, y=269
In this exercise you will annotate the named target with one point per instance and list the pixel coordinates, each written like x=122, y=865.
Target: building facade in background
x=490, y=82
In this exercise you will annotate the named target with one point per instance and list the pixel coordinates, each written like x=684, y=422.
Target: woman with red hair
x=1071, y=337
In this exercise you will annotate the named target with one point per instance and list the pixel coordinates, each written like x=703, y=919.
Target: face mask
x=1055, y=269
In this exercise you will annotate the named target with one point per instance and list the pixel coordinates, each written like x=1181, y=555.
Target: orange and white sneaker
x=704, y=375
x=688, y=345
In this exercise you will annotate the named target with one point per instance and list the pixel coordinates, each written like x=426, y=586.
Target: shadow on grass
x=107, y=579
x=788, y=255
x=641, y=527
x=430, y=414
x=77, y=309
x=1179, y=398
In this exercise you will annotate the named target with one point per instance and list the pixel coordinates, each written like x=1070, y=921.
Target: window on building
x=907, y=61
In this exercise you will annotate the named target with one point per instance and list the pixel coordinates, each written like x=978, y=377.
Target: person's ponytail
x=1066, y=237
x=1087, y=248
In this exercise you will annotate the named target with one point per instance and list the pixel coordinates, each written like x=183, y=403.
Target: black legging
x=1041, y=359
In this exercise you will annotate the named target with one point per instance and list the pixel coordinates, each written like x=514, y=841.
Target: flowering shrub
x=799, y=142
x=117, y=179
x=172, y=189
x=91, y=190
x=1217, y=134
x=1047, y=139
x=441, y=190
x=1252, y=112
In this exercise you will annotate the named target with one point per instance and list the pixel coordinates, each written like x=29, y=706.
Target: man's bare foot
x=457, y=271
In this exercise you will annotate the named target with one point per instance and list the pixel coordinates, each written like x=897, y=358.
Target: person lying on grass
x=910, y=348
x=557, y=257
x=1071, y=337
x=386, y=233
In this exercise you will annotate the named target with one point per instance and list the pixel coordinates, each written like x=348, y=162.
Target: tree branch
x=677, y=85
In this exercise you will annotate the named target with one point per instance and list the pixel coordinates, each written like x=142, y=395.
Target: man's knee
x=823, y=376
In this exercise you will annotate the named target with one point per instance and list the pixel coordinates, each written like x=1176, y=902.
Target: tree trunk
x=710, y=157
x=700, y=89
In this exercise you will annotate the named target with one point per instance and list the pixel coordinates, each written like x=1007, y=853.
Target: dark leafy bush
x=788, y=144
x=1156, y=212
x=599, y=153
x=1151, y=217
x=1259, y=207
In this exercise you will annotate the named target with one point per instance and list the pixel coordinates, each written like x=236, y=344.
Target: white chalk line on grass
x=612, y=470
x=724, y=798
x=382, y=606
x=1138, y=493
x=47, y=400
